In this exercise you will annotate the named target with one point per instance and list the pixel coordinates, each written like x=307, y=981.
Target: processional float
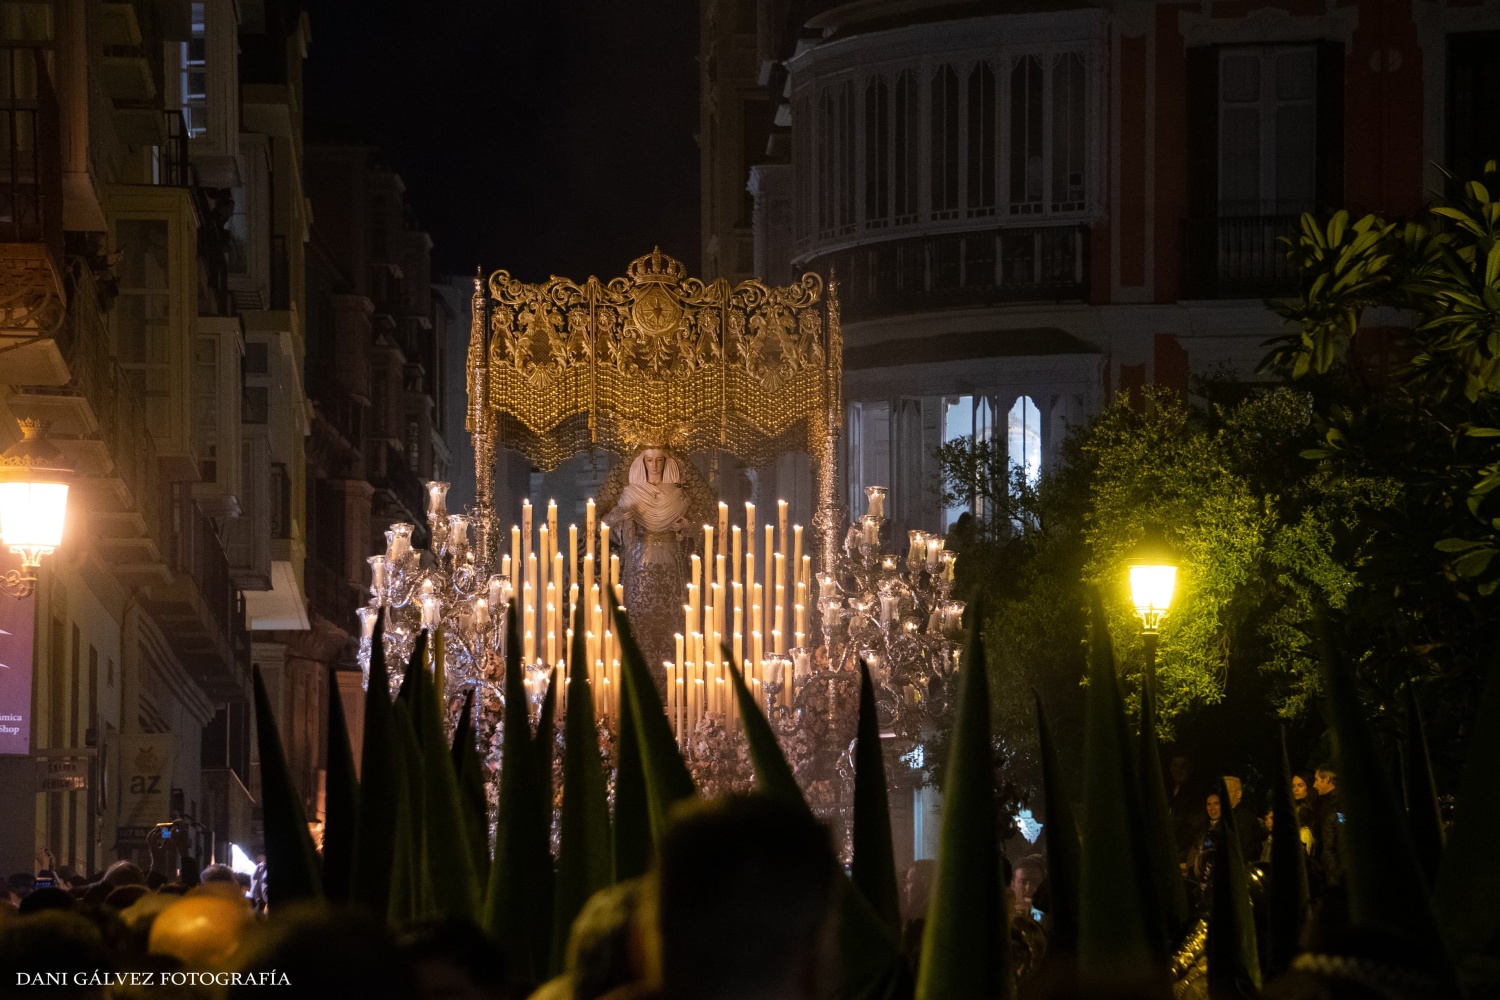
x=660, y=361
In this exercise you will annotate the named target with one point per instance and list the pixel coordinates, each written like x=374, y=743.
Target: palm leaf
x=1288, y=903
x=584, y=857
x=632, y=821
x=340, y=801
x=408, y=890
x=870, y=966
x=666, y=775
x=289, y=847
x=380, y=788
x=451, y=881
x=1423, y=815
x=518, y=900
x=1233, y=959
x=471, y=786
x=1387, y=891
x=960, y=959
x=1062, y=847
x=1119, y=929
x=874, y=867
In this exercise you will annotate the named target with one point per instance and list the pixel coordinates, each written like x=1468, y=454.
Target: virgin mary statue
x=657, y=514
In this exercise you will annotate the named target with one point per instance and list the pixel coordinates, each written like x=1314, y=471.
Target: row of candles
x=754, y=600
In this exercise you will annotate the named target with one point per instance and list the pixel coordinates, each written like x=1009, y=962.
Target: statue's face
x=655, y=462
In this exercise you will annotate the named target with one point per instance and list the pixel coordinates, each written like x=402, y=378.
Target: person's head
x=1181, y=768
x=124, y=873
x=1268, y=819
x=202, y=932
x=452, y=959
x=918, y=889
x=50, y=898
x=125, y=896
x=218, y=873
x=324, y=951
x=1029, y=873
x=745, y=887
x=1235, y=789
x=1299, y=788
x=1213, y=806
x=603, y=953
x=1326, y=780
x=55, y=941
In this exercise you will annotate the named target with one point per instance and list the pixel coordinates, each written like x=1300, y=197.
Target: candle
x=916, y=551
x=723, y=528
x=934, y=547
x=526, y=528
x=736, y=556
x=588, y=525
x=544, y=559
x=708, y=541
x=614, y=576
x=770, y=579
x=573, y=554
x=749, y=528
x=781, y=519
x=552, y=524
x=796, y=549
x=515, y=547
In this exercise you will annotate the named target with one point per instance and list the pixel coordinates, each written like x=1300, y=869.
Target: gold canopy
x=657, y=357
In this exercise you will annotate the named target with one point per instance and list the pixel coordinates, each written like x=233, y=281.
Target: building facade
x=154, y=224
x=1030, y=207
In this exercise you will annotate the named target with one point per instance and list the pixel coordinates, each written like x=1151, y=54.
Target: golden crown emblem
x=656, y=268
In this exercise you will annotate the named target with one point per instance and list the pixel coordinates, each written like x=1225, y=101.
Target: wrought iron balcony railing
x=1238, y=257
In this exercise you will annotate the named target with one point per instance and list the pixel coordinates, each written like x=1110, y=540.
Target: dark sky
x=541, y=137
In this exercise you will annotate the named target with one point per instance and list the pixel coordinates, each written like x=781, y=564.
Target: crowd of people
x=740, y=904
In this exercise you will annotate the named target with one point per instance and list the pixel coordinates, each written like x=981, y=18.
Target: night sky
x=530, y=136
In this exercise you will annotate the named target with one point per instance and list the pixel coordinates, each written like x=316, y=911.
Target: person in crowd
x=218, y=873
x=1306, y=801
x=322, y=952
x=745, y=901
x=1329, y=829
x=1184, y=806
x=1203, y=852
x=1246, y=822
x=1030, y=873
x=916, y=894
x=452, y=959
x=56, y=941
x=201, y=931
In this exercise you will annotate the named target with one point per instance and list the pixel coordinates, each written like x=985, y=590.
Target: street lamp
x=1153, y=575
x=33, y=504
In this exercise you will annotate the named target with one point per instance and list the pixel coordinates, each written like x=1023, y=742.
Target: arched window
x=1026, y=136
x=824, y=157
x=877, y=153
x=844, y=157
x=981, y=157
x=906, y=146
x=1067, y=133
x=1023, y=438
x=944, y=143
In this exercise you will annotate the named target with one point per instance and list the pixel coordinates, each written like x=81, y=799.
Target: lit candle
x=749, y=528
x=934, y=549
x=781, y=519
x=917, y=550
x=588, y=525
x=796, y=549
x=573, y=554
x=770, y=579
x=505, y=566
x=515, y=546
x=526, y=528
x=552, y=524
x=708, y=541
x=723, y=528
x=736, y=553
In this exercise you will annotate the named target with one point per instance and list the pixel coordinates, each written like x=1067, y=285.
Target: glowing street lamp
x=33, y=504
x=1153, y=577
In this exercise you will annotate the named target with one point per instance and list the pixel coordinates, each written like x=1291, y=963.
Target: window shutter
x=1330, y=126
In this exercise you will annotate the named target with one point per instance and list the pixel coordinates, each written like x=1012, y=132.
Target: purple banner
x=17, y=625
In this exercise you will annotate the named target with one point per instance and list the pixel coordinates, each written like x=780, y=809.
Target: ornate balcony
x=32, y=300
x=1238, y=257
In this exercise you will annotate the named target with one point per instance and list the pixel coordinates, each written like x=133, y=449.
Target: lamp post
x=33, y=504
x=1153, y=575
